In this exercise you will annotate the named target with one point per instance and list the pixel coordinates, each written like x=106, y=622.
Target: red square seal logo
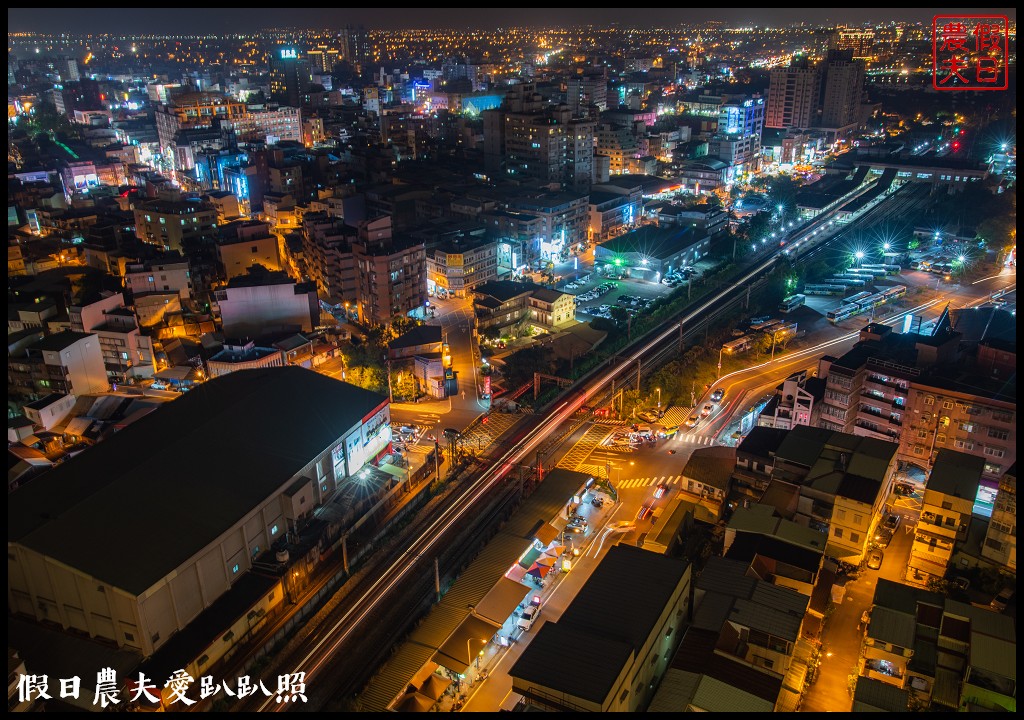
x=970, y=52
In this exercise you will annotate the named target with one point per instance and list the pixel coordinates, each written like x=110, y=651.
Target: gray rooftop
x=956, y=474
x=170, y=484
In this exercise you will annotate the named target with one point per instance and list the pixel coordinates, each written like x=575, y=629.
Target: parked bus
x=764, y=325
x=792, y=303
x=738, y=345
x=889, y=269
x=825, y=289
x=842, y=313
x=872, y=271
x=894, y=293
x=855, y=298
x=850, y=282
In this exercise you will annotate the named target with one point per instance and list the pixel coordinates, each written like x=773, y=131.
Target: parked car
x=529, y=616
x=570, y=528
x=1001, y=600
x=903, y=488
x=883, y=538
x=891, y=522
x=875, y=558
x=717, y=395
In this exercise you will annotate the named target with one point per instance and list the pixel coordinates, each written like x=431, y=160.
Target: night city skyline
x=512, y=360
x=230, y=20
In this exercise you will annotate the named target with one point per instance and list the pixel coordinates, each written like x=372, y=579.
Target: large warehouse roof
x=138, y=505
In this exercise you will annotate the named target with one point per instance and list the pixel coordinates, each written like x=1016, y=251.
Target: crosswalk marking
x=631, y=483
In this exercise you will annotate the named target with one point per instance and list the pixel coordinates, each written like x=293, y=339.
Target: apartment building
x=458, y=265
x=170, y=224
x=1000, y=546
x=794, y=96
x=188, y=110
x=67, y=362
x=127, y=352
x=169, y=275
x=391, y=277
x=245, y=243
x=841, y=483
x=945, y=512
x=267, y=302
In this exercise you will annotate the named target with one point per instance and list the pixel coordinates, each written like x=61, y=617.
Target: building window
x=838, y=532
x=858, y=519
x=256, y=551
x=967, y=427
x=998, y=434
x=854, y=537
x=994, y=452
x=234, y=569
x=947, y=405
x=129, y=637
x=273, y=531
x=929, y=400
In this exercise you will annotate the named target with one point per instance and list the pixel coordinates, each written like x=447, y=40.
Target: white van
x=529, y=616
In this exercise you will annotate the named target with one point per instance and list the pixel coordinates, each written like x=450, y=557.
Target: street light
x=859, y=255
x=719, y=375
x=659, y=397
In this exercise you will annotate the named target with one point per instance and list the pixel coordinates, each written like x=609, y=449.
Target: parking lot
x=596, y=296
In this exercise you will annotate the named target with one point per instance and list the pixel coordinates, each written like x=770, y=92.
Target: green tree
x=619, y=314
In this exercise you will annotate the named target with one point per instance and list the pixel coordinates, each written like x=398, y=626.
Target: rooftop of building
x=175, y=207
x=59, y=341
x=762, y=442
x=248, y=354
x=504, y=290
x=654, y=242
x=207, y=460
x=711, y=466
x=421, y=335
x=627, y=577
x=956, y=474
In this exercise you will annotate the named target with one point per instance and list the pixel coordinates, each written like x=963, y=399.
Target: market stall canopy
x=538, y=570
x=465, y=642
x=434, y=686
x=501, y=600
x=546, y=560
x=414, y=702
x=555, y=550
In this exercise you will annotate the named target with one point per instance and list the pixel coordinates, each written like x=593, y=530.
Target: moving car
x=644, y=512
x=660, y=490
x=691, y=422
x=903, y=488
x=717, y=395
x=623, y=526
x=707, y=410
x=875, y=558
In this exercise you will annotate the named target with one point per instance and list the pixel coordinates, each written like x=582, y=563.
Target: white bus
x=824, y=289
x=792, y=303
x=738, y=345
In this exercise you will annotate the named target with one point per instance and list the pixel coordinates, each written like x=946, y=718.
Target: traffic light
x=956, y=146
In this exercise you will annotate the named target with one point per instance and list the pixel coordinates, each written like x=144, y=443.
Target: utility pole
x=693, y=394
x=734, y=242
x=681, y=337
x=629, y=328
x=638, y=376
x=746, y=303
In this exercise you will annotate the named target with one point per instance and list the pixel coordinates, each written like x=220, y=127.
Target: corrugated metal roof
x=384, y=688
x=891, y=626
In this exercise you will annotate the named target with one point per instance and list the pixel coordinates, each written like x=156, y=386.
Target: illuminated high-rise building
x=794, y=96
x=289, y=76
x=529, y=139
x=857, y=40
x=843, y=90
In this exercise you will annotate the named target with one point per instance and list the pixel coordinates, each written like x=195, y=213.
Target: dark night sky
x=228, y=20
